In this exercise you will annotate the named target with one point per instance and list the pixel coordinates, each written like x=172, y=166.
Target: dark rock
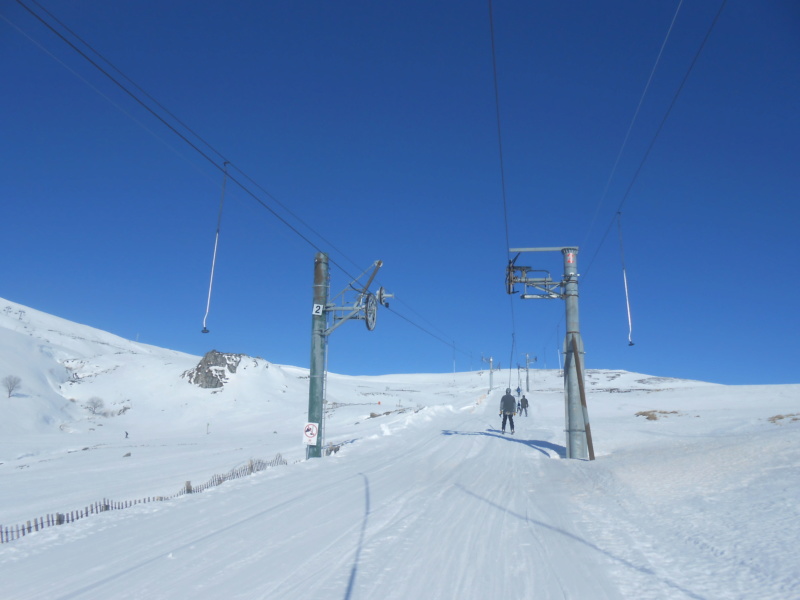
x=213, y=369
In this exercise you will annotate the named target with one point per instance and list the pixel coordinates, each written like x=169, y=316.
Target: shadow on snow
x=351, y=582
x=539, y=445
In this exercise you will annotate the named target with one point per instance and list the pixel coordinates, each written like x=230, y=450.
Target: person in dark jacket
x=508, y=405
x=524, y=405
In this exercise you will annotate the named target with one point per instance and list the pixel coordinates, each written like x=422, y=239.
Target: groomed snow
x=425, y=499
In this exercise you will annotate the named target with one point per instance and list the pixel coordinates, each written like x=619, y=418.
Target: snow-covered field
x=424, y=498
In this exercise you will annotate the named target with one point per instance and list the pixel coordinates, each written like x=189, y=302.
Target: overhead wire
x=224, y=158
x=653, y=140
x=650, y=146
x=175, y=130
x=94, y=88
x=633, y=122
x=500, y=147
x=616, y=164
x=447, y=343
x=225, y=162
x=431, y=325
x=502, y=182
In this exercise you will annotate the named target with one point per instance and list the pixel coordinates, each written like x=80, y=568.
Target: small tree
x=11, y=383
x=94, y=405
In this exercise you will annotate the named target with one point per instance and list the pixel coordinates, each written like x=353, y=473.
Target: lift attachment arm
x=362, y=304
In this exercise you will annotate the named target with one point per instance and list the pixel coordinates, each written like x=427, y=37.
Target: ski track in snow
x=665, y=520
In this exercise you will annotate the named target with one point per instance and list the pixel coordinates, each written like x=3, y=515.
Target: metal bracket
x=534, y=288
x=361, y=303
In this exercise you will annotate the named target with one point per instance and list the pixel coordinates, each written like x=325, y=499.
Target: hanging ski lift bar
x=216, y=244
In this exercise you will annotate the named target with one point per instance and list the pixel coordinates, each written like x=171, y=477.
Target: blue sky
x=375, y=124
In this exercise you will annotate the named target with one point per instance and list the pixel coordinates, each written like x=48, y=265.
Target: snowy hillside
x=694, y=493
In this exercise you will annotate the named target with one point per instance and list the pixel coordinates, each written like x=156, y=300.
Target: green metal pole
x=319, y=345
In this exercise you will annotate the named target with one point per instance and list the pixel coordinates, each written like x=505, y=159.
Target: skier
x=507, y=406
x=524, y=405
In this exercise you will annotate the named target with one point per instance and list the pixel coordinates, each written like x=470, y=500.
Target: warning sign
x=570, y=258
x=310, y=434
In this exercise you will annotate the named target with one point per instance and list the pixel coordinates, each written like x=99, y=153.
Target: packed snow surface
x=694, y=492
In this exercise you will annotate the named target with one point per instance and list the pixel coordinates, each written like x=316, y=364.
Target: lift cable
x=652, y=143
x=431, y=325
x=658, y=132
x=430, y=333
x=225, y=162
x=194, y=146
x=98, y=91
x=633, y=121
x=502, y=182
x=616, y=164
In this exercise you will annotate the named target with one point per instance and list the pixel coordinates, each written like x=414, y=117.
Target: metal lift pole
x=319, y=345
x=363, y=308
x=575, y=421
x=578, y=432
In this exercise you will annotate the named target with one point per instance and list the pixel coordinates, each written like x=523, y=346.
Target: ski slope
x=424, y=498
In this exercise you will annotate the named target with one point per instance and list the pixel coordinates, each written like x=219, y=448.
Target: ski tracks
x=479, y=513
x=673, y=532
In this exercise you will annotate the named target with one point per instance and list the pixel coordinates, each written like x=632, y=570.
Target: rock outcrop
x=213, y=369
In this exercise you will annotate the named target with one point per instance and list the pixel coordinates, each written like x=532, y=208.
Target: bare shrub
x=11, y=383
x=95, y=405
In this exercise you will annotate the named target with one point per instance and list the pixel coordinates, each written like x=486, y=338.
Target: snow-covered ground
x=425, y=498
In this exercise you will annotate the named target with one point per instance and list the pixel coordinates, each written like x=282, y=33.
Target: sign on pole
x=310, y=434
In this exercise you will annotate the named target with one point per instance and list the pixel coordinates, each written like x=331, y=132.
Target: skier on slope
x=523, y=406
x=508, y=405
